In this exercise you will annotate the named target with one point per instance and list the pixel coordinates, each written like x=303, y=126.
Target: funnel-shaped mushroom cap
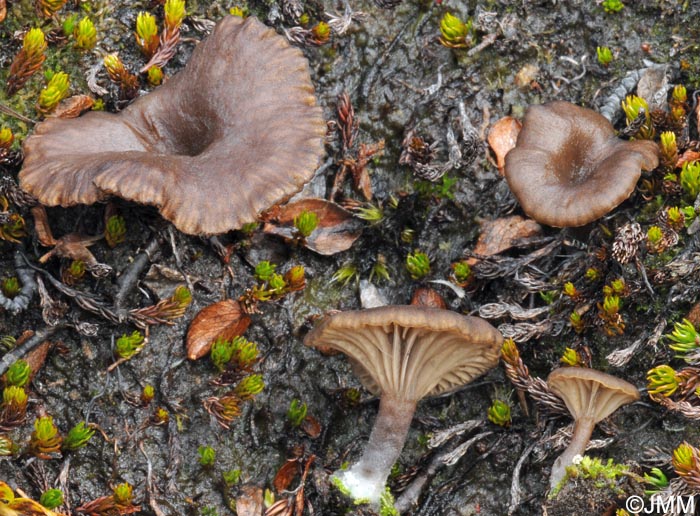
x=235, y=132
x=410, y=352
x=590, y=393
x=568, y=168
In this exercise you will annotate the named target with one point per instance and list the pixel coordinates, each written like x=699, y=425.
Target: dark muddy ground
x=398, y=77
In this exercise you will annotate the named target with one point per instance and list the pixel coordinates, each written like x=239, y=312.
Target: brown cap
x=411, y=351
x=235, y=132
x=590, y=393
x=568, y=167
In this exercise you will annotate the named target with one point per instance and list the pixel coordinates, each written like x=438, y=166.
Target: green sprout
x=147, y=33
x=55, y=91
x=605, y=56
x=115, y=230
x=684, y=336
x=6, y=138
x=676, y=218
x=231, y=477
x=249, y=387
x=147, y=394
x=76, y=269
x=612, y=6
x=380, y=270
x=669, y=148
x=571, y=357
x=386, y=504
x=499, y=413
x=207, y=456
x=240, y=12
x=221, y=353
x=85, y=34
x=130, y=345
x=18, y=374
x=633, y=106
x=370, y=213
x=461, y=273
x=662, y=381
x=548, y=296
x=51, y=499
x=592, y=274
x=603, y=474
x=296, y=413
x=656, y=478
x=454, y=33
x=570, y=290
x=654, y=236
x=7, y=447
x=690, y=178
x=576, y=321
x=68, y=25
x=418, y=265
x=264, y=271
x=154, y=75
x=305, y=223
x=174, y=11
x=78, y=436
x=10, y=287
x=345, y=274
x=123, y=494
x=45, y=438
x=245, y=353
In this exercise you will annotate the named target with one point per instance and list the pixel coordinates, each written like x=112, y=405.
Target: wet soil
x=398, y=77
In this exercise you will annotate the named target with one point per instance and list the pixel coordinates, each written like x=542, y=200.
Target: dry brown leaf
x=337, y=229
x=36, y=357
x=3, y=10
x=311, y=427
x=424, y=296
x=285, y=475
x=250, y=501
x=526, y=75
x=689, y=155
x=498, y=235
x=502, y=138
x=74, y=106
x=225, y=319
x=694, y=315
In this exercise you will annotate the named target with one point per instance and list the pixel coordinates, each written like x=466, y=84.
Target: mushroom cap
x=235, y=132
x=410, y=352
x=568, y=168
x=590, y=393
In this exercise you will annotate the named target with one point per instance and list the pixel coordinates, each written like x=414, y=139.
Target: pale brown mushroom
x=235, y=132
x=403, y=354
x=590, y=396
x=568, y=168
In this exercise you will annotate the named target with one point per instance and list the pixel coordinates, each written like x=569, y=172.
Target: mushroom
x=403, y=354
x=568, y=168
x=590, y=396
x=235, y=132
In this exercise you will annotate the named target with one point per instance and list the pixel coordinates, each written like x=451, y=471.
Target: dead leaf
x=3, y=10
x=424, y=296
x=311, y=427
x=250, y=501
x=694, y=315
x=689, y=155
x=285, y=475
x=502, y=138
x=337, y=229
x=36, y=357
x=498, y=235
x=526, y=75
x=225, y=319
x=74, y=106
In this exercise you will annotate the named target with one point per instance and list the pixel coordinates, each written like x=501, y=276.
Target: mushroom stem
x=366, y=479
x=583, y=429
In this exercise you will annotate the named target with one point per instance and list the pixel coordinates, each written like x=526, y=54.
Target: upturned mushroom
x=590, y=396
x=235, y=132
x=568, y=168
x=403, y=354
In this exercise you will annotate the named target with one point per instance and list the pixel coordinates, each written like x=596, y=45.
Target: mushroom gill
x=235, y=132
x=568, y=168
x=403, y=354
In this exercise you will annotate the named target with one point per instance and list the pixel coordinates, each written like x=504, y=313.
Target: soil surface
x=399, y=78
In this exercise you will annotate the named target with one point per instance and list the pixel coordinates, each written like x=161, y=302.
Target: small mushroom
x=568, y=168
x=403, y=354
x=590, y=396
x=235, y=132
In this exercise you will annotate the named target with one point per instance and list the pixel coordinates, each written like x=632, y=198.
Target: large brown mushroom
x=568, y=168
x=402, y=354
x=235, y=132
x=590, y=396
